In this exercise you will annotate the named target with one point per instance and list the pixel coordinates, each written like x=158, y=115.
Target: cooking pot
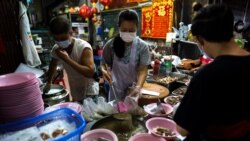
x=57, y=94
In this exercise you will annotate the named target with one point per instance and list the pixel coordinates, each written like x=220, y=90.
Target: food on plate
x=58, y=132
x=167, y=79
x=173, y=100
x=189, y=64
x=184, y=80
x=180, y=91
x=45, y=136
x=44, y=131
x=165, y=132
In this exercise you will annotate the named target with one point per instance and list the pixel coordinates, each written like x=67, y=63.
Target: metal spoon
x=116, y=99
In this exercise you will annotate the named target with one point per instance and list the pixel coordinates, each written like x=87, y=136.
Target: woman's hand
x=107, y=76
x=136, y=92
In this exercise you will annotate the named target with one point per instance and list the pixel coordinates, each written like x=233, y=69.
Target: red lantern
x=106, y=3
x=94, y=1
x=94, y=19
x=85, y=11
x=94, y=10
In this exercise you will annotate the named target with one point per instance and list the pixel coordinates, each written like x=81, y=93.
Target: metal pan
x=116, y=125
x=54, y=90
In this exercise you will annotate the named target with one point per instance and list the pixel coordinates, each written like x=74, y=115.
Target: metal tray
x=113, y=124
x=183, y=89
x=184, y=79
x=179, y=76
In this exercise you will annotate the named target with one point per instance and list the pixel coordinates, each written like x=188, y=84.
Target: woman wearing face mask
x=126, y=57
x=76, y=56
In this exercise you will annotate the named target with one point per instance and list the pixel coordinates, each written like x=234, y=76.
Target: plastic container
x=145, y=137
x=161, y=122
x=71, y=105
x=99, y=133
x=64, y=114
x=167, y=108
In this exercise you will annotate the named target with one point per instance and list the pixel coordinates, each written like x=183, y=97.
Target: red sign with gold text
x=147, y=15
x=161, y=19
x=130, y=1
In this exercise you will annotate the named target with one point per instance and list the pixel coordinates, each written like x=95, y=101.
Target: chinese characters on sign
x=157, y=20
x=130, y=1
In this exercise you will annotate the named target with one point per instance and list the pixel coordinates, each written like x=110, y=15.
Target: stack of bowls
x=20, y=97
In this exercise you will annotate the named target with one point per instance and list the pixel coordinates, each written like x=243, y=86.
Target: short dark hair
x=197, y=6
x=59, y=25
x=215, y=23
x=128, y=15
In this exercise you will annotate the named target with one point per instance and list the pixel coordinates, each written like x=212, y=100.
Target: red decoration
x=94, y=1
x=158, y=16
x=106, y=3
x=94, y=19
x=85, y=11
x=94, y=10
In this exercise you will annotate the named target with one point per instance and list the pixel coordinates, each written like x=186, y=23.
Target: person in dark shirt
x=216, y=105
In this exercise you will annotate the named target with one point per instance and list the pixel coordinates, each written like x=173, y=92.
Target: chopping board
x=147, y=99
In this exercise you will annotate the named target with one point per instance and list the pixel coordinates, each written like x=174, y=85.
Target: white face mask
x=63, y=44
x=128, y=37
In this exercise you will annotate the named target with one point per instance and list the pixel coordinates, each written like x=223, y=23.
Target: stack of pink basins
x=20, y=97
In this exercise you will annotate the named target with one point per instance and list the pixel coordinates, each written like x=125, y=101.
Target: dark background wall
x=9, y=32
x=238, y=7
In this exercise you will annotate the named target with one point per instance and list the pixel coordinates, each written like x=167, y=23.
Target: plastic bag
x=94, y=111
x=133, y=107
x=90, y=110
x=104, y=107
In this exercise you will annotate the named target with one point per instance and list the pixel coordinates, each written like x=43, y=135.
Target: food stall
x=27, y=113
x=50, y=116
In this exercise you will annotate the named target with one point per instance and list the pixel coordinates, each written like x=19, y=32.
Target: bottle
x=162, y=70
x=168, y=64
x=156, y=67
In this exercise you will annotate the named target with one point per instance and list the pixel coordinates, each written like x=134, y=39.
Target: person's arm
x=145, y=60
x=142, y=75
x=106, y=62
x=142, y=71
x=52, y=70
x=106, y=73
x=85, y=67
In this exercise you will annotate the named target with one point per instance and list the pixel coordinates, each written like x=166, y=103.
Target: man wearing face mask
x=126, y=57
x=76, y=56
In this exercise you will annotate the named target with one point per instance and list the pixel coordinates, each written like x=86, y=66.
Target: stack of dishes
x=20, y=97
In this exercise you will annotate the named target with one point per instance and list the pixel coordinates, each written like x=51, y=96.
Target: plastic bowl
x=145, y=137
x=161, y=122
x=71, y=105
x=168, y=109
x=99, y=133
x=173, y=104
